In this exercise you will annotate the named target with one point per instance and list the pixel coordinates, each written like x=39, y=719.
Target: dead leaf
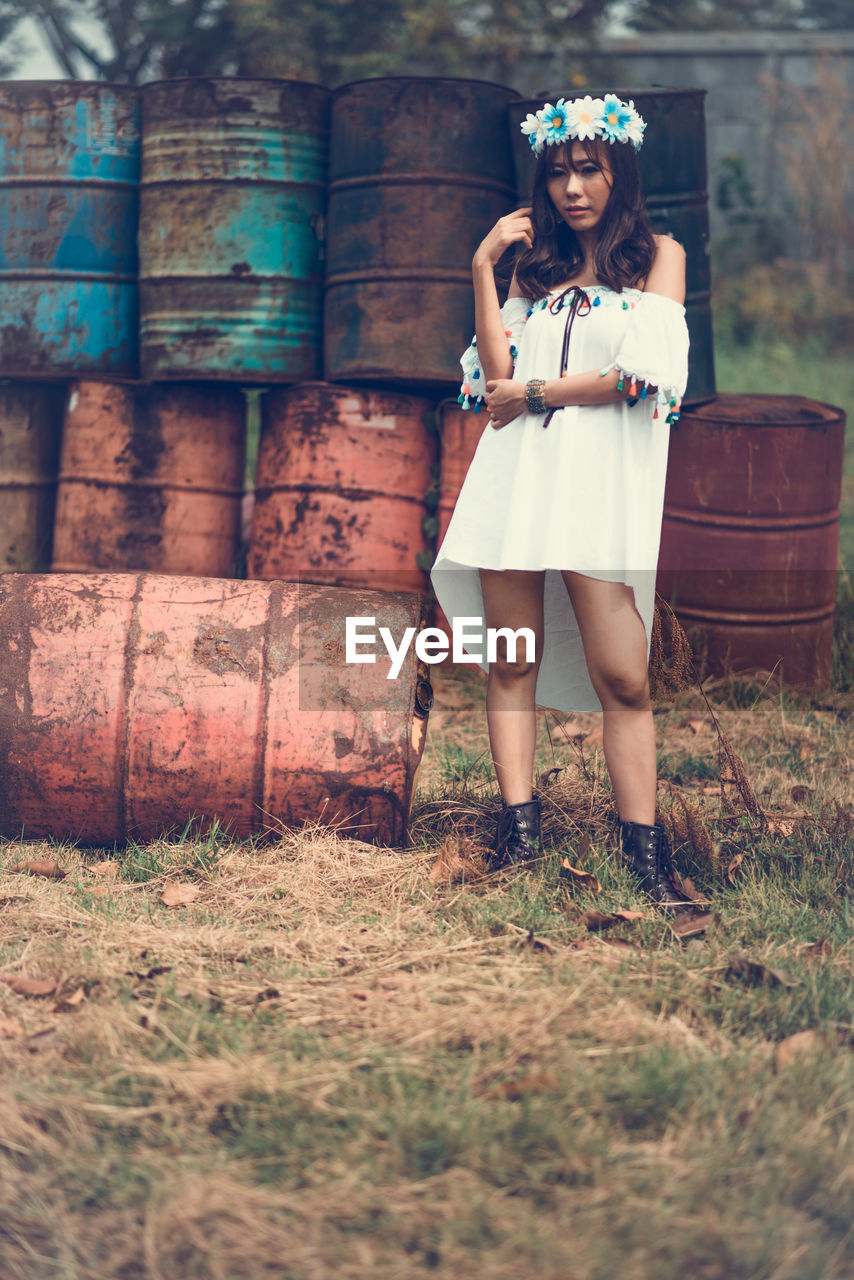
x=50, y=870
x=513, y=1090
x=801, y=793
x=782, y=825
x=537, y=944
x=584, y=878
x=793, y=1046
x=179, y=895
x=595, y=920
x=805, y=750
x=30, y=986
x=686, y=885
x=594, y=737
x=109, y=869
x=458, y=860
x=733, y=867
x=689, y=923
x=70, y=1002
x=755, y=974
x=821, y=948
x=100, y=890
x=696, y=726
x=10, y=1029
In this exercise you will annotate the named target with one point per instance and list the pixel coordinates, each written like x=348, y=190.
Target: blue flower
x=617, y=117
x=556, y=121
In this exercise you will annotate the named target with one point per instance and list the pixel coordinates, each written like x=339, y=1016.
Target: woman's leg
x=614, y=640
x=513, y=598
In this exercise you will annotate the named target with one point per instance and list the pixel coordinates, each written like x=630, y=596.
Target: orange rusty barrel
x=151, y=477
x=131, y=703
x=750, y=532
x=30, y=431
x=420, y=168
x=342, y=477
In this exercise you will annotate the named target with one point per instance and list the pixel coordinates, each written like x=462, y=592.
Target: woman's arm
x=492, y=347
x=506, y=398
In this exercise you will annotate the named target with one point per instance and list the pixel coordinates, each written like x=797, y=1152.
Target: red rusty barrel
x=342, y=475
x=750, y=532
x=130, y=703
x=420, y=168
x=151, y=477
x=30, y=431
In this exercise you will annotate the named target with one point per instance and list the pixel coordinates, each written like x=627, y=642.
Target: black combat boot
x=647, y=852
x=517, y=838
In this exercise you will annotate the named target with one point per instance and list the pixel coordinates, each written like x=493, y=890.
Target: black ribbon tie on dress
x=579, y=304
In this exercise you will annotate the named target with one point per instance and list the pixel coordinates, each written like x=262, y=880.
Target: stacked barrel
x=163, y=251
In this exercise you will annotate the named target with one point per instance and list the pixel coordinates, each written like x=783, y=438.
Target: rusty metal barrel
x=674, y=175
x=69, y=198
x=130, y=704
x=30, y=433
x=750, y=532
x=231, y=225
x=342, y=477
x=419, y=170
x=151, y=477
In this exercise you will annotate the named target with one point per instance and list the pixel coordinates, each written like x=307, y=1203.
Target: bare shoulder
x=668, y=250
x=667, y=273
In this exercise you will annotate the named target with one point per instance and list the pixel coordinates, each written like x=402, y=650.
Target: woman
x=558, y=523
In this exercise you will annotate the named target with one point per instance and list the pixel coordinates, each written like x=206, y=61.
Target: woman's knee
x=628, y=688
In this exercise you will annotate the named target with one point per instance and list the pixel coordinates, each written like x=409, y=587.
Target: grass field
x=338, y=1060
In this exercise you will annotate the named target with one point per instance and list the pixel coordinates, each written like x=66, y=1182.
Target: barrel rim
x=358, y=389
x=352, y=84
x=663, y=91
x=134, y=89
x=179, y=80
x=711, y=411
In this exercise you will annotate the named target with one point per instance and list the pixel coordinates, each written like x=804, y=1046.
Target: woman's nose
x=573, y=183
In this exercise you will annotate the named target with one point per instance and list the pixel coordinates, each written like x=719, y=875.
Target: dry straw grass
x=339, y=1059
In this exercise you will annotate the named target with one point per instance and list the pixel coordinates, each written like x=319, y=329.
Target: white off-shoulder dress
x=584, y=494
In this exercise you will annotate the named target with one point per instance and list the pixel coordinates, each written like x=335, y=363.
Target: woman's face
x=579, y=186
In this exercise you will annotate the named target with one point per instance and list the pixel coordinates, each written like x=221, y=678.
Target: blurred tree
x=327, y=40
x=129, y=40
x=338, y=40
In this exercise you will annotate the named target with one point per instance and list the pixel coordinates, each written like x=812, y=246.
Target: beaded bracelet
x=535, y=395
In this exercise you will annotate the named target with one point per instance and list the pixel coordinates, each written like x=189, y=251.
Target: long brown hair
x=625, y=247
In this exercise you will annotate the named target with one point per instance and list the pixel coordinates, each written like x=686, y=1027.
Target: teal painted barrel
x=69, y=195
x=420, y=169
x=673, y=171
x=231, y=229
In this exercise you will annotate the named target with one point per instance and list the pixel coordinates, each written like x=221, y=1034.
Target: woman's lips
x=573, y=213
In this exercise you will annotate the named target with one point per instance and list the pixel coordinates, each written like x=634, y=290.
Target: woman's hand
x=505, y=400
x=513, y=228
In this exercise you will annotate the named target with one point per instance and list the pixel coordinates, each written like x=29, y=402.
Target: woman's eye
x=555, y=173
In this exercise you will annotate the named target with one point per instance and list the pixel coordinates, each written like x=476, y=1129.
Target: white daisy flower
x=635, y=126
x=535, y=130
x=585, y=116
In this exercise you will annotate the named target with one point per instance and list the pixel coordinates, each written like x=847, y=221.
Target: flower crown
x=607, y=117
